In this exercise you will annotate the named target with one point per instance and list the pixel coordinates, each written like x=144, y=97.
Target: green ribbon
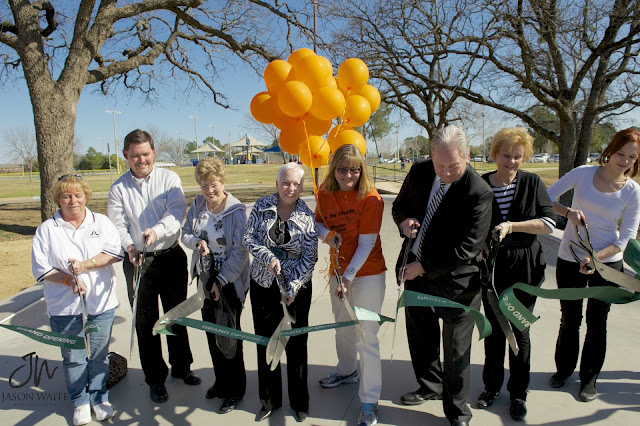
x=66, y=341
x=632, y=256
x=522, y=317
x=413, y=298
x=361, y=313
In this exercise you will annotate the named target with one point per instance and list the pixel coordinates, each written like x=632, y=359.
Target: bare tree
x=61, y=47
x=405, y=43
x=578, y=58
x=22, y=145
x=171, y=150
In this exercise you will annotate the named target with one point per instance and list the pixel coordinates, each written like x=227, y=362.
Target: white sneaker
x=103, y=411
x=81, y=415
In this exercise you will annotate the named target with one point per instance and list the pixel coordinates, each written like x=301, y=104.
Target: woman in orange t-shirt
x=350, y=206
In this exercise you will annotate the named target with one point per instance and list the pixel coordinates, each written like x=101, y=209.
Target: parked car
x=555, y=158
x=593, y=157
x=539, y=158
x=478, y=159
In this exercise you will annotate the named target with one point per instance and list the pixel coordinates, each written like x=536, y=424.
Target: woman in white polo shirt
x=91, y=242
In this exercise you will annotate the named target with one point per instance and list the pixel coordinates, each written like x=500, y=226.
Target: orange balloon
x=328, y=62
x=350, y=137
x=294, y=98
x=357, y=111
x=353, y=74
x=264, y=108
x=296, y=56
x=316, y=126
x=333, y=133
x=291, y=137
x=372, y=95
x=327, y=103
x=276, y=73
x=313, y=72
x=314, y=152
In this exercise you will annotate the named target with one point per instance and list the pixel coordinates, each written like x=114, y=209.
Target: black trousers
x=166, y=277
x=423, y=334
x=267, y=313
x=231, y=376
x=513, y=265
x=595, y=341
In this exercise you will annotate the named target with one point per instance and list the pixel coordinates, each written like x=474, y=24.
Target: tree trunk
x=54, y=113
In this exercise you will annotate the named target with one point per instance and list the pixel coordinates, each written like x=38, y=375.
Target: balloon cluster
x=303, y=97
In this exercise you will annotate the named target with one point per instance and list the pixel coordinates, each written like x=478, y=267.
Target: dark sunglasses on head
x=65, y=177
x=344, y=170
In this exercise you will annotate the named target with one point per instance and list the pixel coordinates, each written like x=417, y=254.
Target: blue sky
x=169, y=115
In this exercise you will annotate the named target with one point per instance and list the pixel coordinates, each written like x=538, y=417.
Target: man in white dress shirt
x=147, y=206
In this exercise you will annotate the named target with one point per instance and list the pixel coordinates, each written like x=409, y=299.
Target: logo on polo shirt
x=94, y=233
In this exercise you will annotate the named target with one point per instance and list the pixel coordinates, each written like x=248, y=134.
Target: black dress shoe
x=158, y=393
x=518, y=409
x=486, y=398
x=557, y=381
x=189, y=378
x=418, y=396
x=301, y=416
x=263, y=414
x=229, y=404
x=459, y=423
x=212, y=392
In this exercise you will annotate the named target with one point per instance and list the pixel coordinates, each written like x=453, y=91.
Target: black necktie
x=431, y=209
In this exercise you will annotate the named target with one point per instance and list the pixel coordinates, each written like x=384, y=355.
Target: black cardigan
x=530, y=201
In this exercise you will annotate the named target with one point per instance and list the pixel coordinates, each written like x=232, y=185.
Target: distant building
x=11, y=168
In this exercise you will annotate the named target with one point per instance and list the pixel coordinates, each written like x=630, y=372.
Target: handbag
x=117, y=369
x=225, y=316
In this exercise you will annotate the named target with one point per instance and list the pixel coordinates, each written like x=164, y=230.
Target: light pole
x=109, y=156
x=213, y=141
x=179, y=133
x=115, y=137
x=195, y=122
x=397, y=145
x=484, y=147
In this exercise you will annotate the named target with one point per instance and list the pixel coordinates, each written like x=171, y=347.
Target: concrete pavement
x=41, y=399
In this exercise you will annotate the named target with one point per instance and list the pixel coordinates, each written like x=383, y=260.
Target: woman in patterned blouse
x=282, y=238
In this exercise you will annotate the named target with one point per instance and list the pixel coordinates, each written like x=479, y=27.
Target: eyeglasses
x=213, y=186
x=344, y=170
x=65, y=177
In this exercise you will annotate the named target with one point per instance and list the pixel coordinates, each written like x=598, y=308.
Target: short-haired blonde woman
x=91, y=243
x=349, y=205
x=521, y=210
x=215, y=224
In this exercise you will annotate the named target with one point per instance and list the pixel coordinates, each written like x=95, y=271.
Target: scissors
x=137, y=276
x=492, y=297
x=405, y=256
x=608, y=273
x=342, y=295
x=277, y=343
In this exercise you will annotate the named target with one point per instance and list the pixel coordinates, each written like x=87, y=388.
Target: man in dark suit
x=443, y=262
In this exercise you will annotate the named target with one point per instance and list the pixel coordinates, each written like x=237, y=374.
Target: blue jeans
x=86, y=378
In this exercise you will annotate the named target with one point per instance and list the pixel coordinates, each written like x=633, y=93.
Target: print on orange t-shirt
x=350, y=217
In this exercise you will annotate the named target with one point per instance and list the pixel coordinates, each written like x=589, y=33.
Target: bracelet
x=93, y=262
x=567, y=213
x=66, y=281
x=510, y=227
